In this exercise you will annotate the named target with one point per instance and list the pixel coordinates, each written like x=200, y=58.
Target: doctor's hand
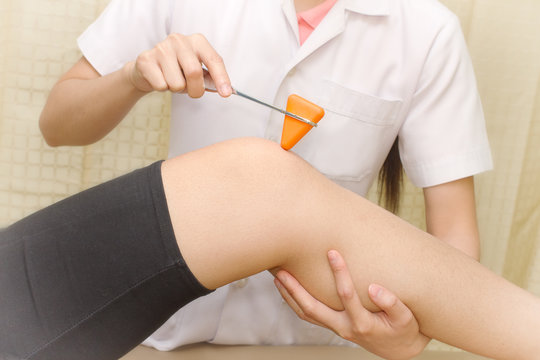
x=175, y=65
x=392, y=333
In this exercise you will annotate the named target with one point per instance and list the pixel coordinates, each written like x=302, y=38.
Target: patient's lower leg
x=244, y=206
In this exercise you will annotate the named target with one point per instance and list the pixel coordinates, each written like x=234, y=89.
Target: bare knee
x=248, y=173
x=261, y=163
x=234, y=201
x=261, y=154
x=243, y=168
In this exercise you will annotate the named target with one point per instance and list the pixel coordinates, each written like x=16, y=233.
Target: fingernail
x=332, y=256
x=225, y=89
x=281, y=277
x=375, y=290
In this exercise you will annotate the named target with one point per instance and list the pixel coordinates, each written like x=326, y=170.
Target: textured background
x=38, y=44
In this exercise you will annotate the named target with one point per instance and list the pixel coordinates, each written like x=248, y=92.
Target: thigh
x=92, y=276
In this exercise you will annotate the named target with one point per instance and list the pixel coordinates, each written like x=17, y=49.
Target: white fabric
x=379, y=68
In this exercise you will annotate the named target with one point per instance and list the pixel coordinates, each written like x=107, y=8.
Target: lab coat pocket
x=354, y=136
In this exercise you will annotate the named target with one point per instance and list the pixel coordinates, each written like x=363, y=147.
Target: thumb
x=389, y=303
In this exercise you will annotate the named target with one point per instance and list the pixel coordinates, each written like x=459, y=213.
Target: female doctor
x=383, y=70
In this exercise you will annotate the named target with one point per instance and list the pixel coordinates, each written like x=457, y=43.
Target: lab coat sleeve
x=124, y=30
x=443, y=137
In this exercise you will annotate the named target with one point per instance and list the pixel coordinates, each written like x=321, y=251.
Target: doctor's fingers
x=190, y=52
x=361, y=319
x=397, y=312
x=153, y=71
x=303, y=304
x=175, y=64
x=214, y=63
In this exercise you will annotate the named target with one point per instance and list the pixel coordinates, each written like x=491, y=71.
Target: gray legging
x=93, y=275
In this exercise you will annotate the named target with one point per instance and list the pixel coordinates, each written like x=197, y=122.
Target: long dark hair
x=391, y=180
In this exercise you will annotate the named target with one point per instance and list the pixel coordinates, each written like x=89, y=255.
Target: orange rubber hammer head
x=293, y=129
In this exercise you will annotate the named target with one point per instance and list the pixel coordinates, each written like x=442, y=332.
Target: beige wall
x=37, y=44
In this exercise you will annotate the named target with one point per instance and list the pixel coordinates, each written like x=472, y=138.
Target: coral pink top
x=309, y=19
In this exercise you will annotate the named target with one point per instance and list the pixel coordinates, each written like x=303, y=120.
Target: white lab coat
x=380, y=68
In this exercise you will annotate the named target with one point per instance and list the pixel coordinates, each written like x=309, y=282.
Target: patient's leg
x=244, y=206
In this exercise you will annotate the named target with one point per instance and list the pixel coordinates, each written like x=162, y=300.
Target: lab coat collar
x=333, y=24
x=368, y=7
x=364, y=7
